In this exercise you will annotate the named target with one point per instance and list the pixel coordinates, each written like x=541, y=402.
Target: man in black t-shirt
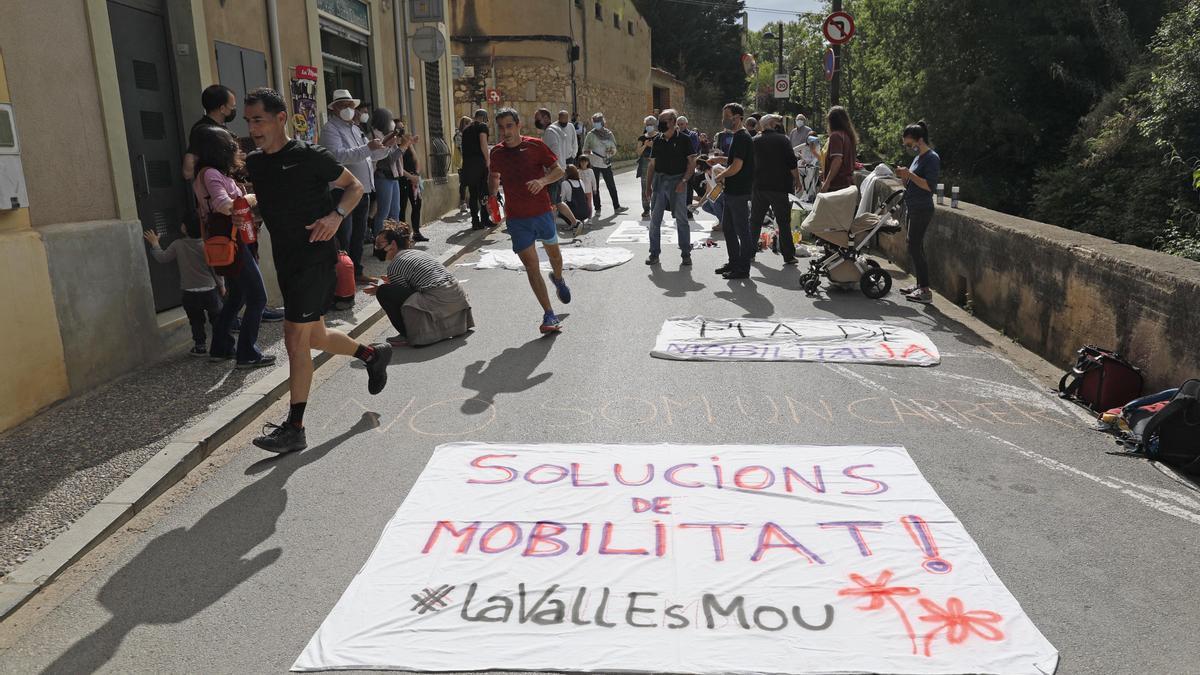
x=672, y=162
x=476, y=167
x=220, y=108
x=738, y=180
x=776, y=175
x=292, y=180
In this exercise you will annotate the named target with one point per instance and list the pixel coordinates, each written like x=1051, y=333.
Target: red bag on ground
x=1101, y=379
x=344, y=289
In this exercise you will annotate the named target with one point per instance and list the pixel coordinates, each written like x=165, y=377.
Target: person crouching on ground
x=422, y=299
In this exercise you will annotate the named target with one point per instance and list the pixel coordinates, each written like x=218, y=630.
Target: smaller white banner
x=634, y=232
x=573, y=259
x=700, y=338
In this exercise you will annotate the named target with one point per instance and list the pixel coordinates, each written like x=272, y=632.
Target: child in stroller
x=844, y=238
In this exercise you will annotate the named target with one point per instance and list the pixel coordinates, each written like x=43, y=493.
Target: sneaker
x=909, y=290
x=686, y=260
x=791, y=261
x=921, y=295
x=261, y=362
x=272, y=315
x=724, y=269
x=420, y=237
x=215, y=356
x=398, y=341
x=620, y=209
x=550, y=323
x=645, y=214
x=652, y=260
x=198, y=350
x=736, y=275
x=560, y=286
x=377, y=367
x=282, y=438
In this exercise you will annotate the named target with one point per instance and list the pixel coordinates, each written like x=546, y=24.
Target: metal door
x=241, y=70
x=147, y=89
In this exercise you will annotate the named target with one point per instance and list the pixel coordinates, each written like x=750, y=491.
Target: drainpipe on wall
x=400, y=16
x=276, y=52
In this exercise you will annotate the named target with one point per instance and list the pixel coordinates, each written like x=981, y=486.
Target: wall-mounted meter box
x=12, y=177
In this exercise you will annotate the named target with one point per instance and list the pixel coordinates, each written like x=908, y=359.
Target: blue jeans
x=387, y=194
x=246, y=288
x=353, y=229
x=664, y=195
x=735, y=225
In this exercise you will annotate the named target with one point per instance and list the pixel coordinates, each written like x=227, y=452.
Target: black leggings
x=607, y=174
x=408, y=195
x=918, y=223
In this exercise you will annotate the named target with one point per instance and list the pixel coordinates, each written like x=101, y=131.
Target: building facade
x=98, y=136
x=528, y=61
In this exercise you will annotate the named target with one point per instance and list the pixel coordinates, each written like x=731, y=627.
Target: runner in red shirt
x=525, y=167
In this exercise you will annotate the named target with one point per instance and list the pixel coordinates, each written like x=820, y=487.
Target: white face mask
x=391, y=127
x=364, y=118
x=346, y=114
x=597, y=125
x=650, y=128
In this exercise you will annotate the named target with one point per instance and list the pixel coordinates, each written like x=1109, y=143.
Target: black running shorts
x=307, y=290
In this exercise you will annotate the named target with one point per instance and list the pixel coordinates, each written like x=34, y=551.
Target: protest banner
x=677, y=558
x=698, y=338
x=591, y=259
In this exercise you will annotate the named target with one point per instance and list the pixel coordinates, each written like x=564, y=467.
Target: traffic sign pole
x=835, y=83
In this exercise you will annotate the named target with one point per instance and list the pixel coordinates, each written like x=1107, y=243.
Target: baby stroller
x=844, y=238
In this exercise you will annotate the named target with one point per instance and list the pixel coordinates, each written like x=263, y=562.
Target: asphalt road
x=236, y=569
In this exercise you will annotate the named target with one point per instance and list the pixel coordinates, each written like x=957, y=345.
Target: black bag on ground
x=1101, y=379
x=1172, y=435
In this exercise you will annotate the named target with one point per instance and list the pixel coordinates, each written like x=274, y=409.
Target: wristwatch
x=339, y=211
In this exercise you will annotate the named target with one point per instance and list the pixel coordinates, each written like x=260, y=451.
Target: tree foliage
x=699, y=42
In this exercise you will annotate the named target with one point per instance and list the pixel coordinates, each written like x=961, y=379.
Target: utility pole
x=835, y=83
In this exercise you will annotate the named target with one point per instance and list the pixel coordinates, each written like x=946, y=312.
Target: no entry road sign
x=838, y=28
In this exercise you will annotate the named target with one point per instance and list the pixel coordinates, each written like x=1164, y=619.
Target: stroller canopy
x=832, y=214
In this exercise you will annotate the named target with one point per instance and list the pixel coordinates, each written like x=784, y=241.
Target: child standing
x=199, y=283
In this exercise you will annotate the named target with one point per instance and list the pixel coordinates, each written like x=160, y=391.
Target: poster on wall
x=677, y=558
x=304, y=103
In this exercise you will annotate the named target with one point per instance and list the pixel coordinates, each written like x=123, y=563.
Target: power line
x=711, y=4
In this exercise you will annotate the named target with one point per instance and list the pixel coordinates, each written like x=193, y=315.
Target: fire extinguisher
x=243, y=220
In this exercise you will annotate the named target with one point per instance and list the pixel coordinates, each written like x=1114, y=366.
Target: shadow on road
x=744, y=293
x=507, y=373
x=186, y=570
x=675, y=284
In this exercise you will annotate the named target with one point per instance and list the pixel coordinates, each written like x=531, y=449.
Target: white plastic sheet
x=573, y=258
x=677, y=558
x=698, y=338
x=634, y=232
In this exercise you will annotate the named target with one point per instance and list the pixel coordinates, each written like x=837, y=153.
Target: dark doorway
x=242, y=70
x=147, y=87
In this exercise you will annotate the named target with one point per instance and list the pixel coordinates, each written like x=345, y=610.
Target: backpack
x=1172, y=435
x=578, y=201
x=220, y=237
x=1101, y=379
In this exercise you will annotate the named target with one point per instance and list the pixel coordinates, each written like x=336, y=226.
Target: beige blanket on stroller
x=832, y=218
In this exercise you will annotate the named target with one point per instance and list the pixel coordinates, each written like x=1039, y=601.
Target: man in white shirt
x=571, y=149
x=555, y=138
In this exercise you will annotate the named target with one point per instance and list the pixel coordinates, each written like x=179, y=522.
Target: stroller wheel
x=810, y=282
x=875, y=283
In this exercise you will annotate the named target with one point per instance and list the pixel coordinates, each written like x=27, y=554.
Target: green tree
x=700, y=42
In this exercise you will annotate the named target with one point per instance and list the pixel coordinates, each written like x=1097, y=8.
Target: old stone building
x=530, y=65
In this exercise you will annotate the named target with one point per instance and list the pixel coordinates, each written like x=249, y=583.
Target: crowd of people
x=357, y=188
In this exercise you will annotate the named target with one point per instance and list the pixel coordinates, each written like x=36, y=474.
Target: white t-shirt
x=588, y=178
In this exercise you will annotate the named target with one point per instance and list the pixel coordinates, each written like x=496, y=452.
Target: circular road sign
x=838, y=28
x=493, y=95
x=428, y=44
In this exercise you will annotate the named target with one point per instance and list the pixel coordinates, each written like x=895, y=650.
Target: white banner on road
x=697, y=338
x=591, y=259
x=677, y=558
x=634, y=232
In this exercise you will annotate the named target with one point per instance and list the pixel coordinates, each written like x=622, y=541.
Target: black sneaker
x=261, y=362
x=724, y=269
x=281, y=438
x=687, y=260
x=198, y=350
x=216, y=356
x=736, y=275
x=619, y=209
x=652, y=260
x=377, y=367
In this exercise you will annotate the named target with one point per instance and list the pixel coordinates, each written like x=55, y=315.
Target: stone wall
x=1054, y=290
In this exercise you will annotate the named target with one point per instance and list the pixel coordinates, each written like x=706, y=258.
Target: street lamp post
x=779, y=67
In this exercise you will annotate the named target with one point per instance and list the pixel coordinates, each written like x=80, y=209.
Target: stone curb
x=170, y=465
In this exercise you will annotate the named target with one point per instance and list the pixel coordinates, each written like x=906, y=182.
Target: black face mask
x=662, y=127
x=562, y=124
x=539, y=124
x=231, y=116
x=381, y=254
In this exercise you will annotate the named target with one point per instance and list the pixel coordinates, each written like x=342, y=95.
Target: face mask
x=663, y=126
x=728, y=124
x=346, y=114
x=597, y=125
x=391, y=127
x=231, y=116
x=649, y=128
x=381, y=254
x=364, y=118
x=539, y=124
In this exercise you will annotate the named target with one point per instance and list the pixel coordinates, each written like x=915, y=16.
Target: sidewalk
x=55, y=467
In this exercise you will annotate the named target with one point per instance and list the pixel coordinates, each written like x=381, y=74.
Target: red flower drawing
x=959, y=624
x=879, y=593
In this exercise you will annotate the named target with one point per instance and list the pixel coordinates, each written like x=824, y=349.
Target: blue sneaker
x=272, y=315
x=550, y=323
x=560, y=285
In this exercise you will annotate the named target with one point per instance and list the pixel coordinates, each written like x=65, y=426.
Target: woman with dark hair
x=387, y=171
x=421, y=297
x=218, y=157
x=410, y=186
x=841, y=152
x=919, y=178
x=463, y=123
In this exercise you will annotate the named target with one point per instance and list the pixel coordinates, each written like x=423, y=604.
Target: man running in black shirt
x=292, y=180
